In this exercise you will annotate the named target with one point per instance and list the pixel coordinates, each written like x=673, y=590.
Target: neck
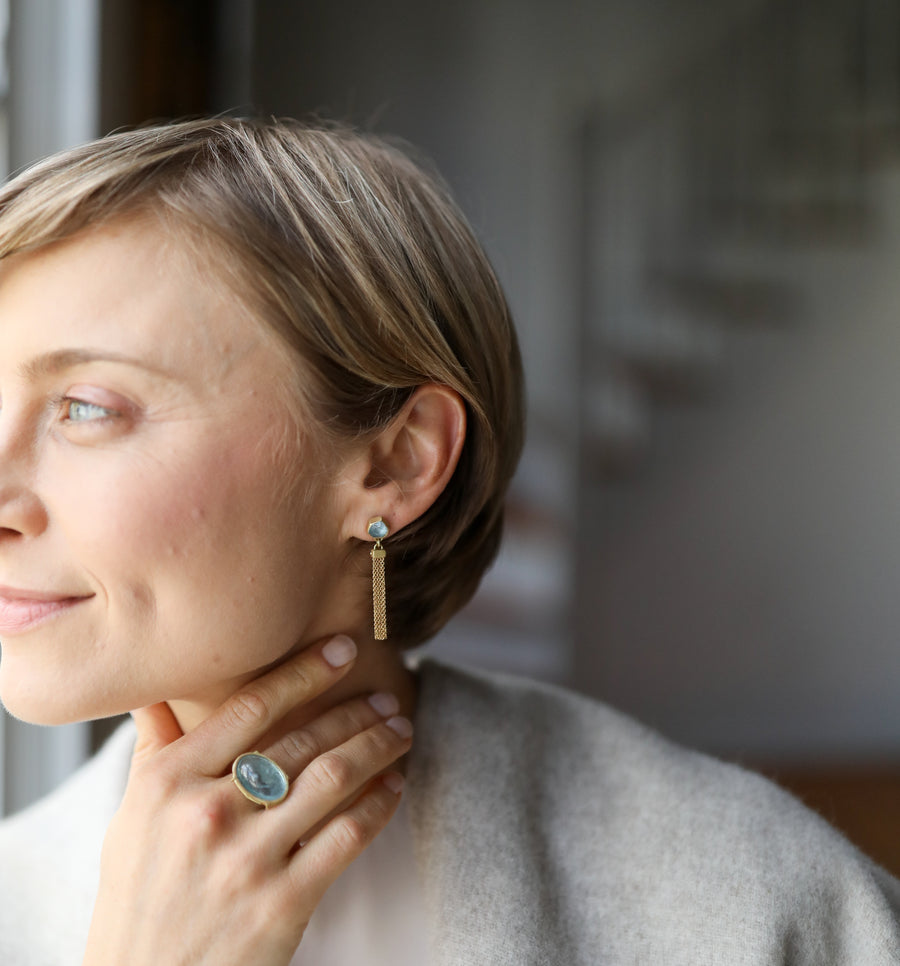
x=378, y=668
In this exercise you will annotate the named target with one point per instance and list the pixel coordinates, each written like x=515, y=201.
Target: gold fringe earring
x=378, y=530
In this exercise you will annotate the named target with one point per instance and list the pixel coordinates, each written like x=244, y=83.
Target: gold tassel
x=378, y=529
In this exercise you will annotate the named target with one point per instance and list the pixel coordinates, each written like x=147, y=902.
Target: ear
x=406, y=467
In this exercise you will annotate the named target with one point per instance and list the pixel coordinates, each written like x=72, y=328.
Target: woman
x=240, y=363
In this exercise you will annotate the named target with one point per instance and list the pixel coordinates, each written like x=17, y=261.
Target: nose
x=22, y=514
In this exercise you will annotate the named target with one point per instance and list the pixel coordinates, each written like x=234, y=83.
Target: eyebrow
x=52, y=363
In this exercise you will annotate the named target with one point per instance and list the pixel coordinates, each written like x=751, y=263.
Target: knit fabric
x=548, y=829
x=553, y=830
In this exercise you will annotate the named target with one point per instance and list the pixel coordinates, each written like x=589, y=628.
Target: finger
x=334, y=779
x=295, y=750
x=342, y=840
x=248, y=714
x=156, y=728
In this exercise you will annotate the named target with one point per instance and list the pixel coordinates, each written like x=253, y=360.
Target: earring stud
x=378, y=530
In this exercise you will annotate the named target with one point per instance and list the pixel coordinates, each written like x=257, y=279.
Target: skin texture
x=154, y=497
x=144, y=518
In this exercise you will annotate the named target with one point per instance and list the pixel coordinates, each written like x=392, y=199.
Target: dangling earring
x=378, y=530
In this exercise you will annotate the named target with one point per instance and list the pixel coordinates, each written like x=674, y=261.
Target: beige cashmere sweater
x=548, y=829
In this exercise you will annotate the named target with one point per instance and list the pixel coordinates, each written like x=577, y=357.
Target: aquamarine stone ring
x=260, y=779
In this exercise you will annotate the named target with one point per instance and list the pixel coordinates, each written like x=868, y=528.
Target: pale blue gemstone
x=378, y=529
x=261, y=778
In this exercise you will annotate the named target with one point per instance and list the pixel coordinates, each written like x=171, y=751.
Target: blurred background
x=695, y=211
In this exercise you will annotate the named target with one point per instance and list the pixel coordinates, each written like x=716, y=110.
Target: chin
x=39, y=711
x=41, y=703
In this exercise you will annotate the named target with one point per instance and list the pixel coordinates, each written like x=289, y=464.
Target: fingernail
x=339, y=651
x=393, y=781
x=400, y=726
x=384, y=704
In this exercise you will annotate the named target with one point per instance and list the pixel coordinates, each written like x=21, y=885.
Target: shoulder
x=50, y=855
x=662, y=850
x=499, y=723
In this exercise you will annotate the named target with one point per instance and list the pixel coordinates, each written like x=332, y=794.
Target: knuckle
x=156, y=784
x=249, y=708
x=332, y=772
x=351, y=834
x=166, y=782
x=361, y=716
x=208, y=818
x=299, y=676
x=384, y=742
x=299, y=746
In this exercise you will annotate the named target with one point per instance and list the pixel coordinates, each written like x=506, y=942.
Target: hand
x=194, y=874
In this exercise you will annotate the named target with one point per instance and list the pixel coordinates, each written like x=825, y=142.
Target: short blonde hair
x=362, y=263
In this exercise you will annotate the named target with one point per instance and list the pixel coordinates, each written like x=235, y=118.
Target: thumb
x=156, y=728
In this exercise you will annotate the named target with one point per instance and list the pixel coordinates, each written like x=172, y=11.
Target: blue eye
x=79, y=411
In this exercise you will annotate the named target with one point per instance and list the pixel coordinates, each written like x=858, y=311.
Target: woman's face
x=158, y=537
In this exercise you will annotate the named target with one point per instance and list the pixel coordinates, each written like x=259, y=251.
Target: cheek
x=138, y=521
x=202, y=546
x=125, y=510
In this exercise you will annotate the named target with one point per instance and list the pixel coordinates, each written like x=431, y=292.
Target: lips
x=22, y=610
